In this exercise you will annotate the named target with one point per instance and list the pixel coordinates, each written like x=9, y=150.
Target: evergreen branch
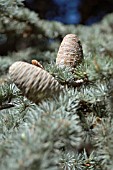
x=104, y=143
x=80, y=161
x=7, y=106
x=52, y=135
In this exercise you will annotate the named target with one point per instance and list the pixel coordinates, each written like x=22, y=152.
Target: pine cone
x=35, y=83
x=70, y=52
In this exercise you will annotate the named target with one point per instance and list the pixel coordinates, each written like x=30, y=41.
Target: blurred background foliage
x=71, y=12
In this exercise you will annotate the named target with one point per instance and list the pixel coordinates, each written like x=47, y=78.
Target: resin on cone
x=70, y=52
x=35, y=83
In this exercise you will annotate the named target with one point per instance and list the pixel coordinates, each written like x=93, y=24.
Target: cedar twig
x=7, y=106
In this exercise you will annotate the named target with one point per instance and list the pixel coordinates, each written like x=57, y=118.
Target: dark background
x=84, y=12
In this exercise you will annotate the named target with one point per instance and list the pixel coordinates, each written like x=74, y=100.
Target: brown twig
x=6, y=106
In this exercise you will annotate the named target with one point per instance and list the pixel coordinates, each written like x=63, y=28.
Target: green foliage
x=80, y=161
x=37, y=133
x=73, y=131
x=104, y=142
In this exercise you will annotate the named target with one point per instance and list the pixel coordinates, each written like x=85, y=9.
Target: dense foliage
x=74, y=130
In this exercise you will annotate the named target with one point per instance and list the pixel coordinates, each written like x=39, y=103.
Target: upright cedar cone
x=70, y=52
x=35, y=83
